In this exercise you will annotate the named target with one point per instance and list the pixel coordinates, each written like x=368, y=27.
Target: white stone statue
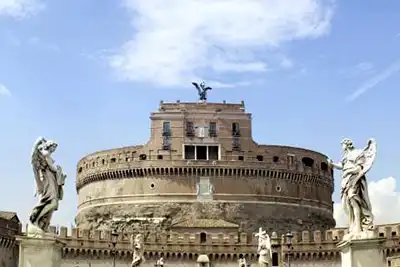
x=264, y=249
x=160, y=262
x=354, y=165
x=242, y=262
x=50, y=180
x=137, y=247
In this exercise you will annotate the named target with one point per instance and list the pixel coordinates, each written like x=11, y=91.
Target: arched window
x=308, y=162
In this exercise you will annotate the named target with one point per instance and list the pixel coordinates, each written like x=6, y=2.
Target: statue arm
x=338, y=166
x=47, y=156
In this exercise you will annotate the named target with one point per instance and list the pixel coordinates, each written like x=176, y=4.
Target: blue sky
x=88, y=73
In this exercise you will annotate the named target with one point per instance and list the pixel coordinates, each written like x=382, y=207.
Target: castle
x=199, y=189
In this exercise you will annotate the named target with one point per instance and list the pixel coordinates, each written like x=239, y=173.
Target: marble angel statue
x=264, y=249
x=137, y=247
x=50, y=180
x=242, y=262
x=354, y=165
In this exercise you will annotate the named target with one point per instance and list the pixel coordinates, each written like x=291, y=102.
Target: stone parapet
x=314, y=245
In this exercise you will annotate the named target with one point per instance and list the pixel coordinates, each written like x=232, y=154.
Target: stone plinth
x=362, y=253
x=39, y=252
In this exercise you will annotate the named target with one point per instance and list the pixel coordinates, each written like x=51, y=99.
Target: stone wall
x=220, y=247
x=151, y=263
x=9, y=228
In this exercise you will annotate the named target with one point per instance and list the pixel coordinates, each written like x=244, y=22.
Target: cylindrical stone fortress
x=201, y=162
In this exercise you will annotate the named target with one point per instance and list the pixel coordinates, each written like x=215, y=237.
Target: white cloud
x=374, y=81
x=20, y=8
x=177, y=41
x=4, y=90
x=286, y=63
x=383, y=194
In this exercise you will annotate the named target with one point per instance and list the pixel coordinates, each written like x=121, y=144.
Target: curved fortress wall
x=201, y=162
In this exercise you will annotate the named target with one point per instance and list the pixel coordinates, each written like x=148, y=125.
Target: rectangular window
x=201, y=152
x=189, y=129
x=190, y=152
x=212, y=131
x=235, y=129
x=166, y=128
x=213, y=152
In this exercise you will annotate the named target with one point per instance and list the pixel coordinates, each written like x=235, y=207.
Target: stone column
x=39, y=252
x=362, y=252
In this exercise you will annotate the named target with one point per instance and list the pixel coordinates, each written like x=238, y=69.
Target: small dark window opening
x=308, y=162
x=260, y=158
x=203, y=238
x=235, y=129
x=80, y=170
x=324, y=166
x=213, y=152
x=159, y=157
x=103, y=161
x=381, y=234
x=201, y=152
x=142, y=157
x=113, y=160
x=275, y=159
x=241, y=158
x=275, y=259
x=189, y=129
x=152, y=185
x=166, y=128
x=212, y=131
x=189, y=152
x=393, y=233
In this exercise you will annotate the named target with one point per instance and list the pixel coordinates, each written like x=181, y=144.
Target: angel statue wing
x=197, y=87
x=207, y=88
x=367, y=156
x=36, y=161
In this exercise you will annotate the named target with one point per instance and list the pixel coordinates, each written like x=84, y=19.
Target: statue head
x=49, y=145
x=347, y=144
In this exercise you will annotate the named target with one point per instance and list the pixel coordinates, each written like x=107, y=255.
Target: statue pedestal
x=362, y=252
x=39, y=252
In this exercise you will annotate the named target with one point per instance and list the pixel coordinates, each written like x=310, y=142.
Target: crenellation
x=295, y=239
x=63, y=232
x=328, y=236
x=317, y=236
x=243, y=239
x=305, y=237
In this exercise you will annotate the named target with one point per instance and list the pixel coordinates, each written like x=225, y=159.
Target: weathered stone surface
x=40, y=252
x=362, y=253
x=279, y=218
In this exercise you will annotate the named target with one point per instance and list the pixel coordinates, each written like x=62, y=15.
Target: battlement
x=390, y=231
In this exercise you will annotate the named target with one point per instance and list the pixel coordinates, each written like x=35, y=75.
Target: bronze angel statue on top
x=202, y=90
x=50, y=180
x=354, y=165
